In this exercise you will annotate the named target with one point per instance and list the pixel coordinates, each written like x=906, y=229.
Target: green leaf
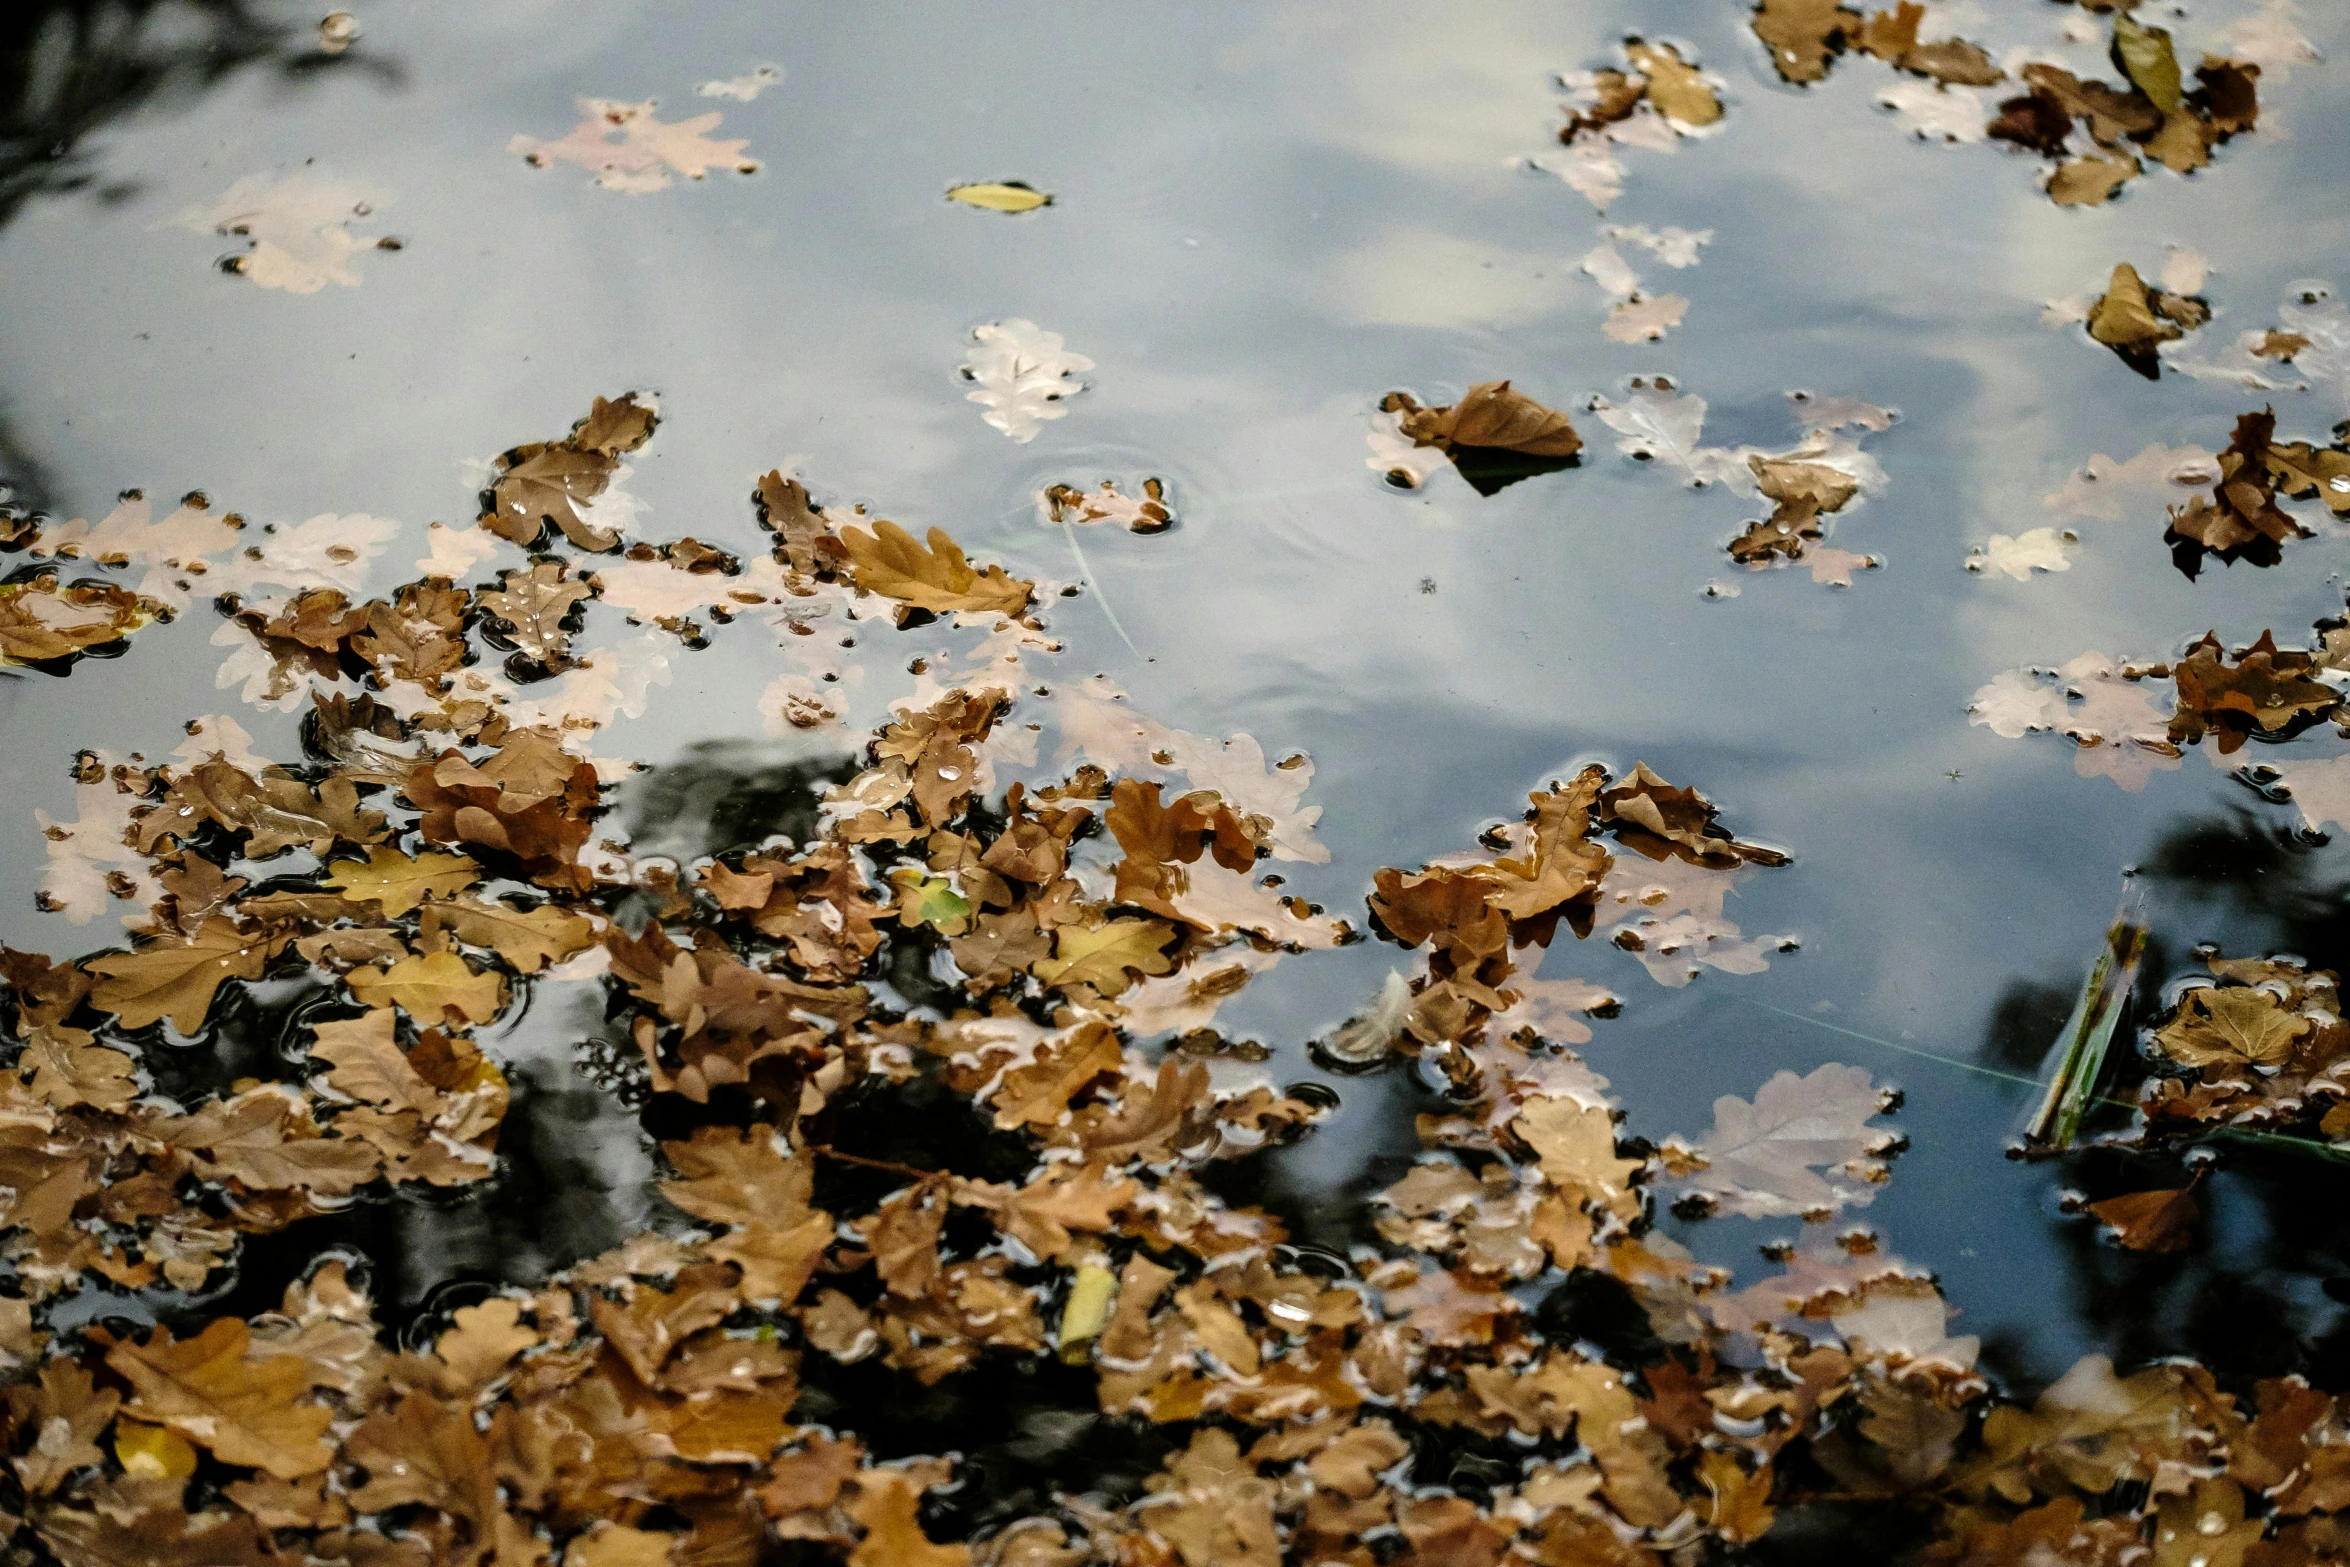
x=932, y=900
x=2144, y=54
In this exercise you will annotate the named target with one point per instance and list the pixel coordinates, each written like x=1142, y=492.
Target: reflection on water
x=1320, y=206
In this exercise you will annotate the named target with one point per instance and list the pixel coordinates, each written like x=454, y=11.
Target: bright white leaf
x=1023, y=375
x=2019, y=555
x=297, y=229
x=1803, y=1146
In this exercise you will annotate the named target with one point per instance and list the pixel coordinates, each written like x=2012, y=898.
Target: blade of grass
x=2077, y=1059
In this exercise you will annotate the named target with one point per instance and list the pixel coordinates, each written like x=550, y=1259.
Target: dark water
x=1265, y=217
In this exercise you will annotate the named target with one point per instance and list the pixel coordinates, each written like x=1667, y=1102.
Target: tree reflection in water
x=2259, y=1292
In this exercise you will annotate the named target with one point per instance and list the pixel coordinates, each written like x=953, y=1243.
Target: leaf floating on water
x=397, y=883
x=889, y=561
x=296, y=228
x=44, y=621
x=1008, y=196
x=1145, y=512
x=1680, y=93
x=178, y=978
x=2144, y=54
x=1023, y=376
x=2134, y=320
x=1659, y=98
x=557, y=482
x=2019, y=555
x=1491, y=418
x=647, y=151
x=743, y=88
x=1805, y=1145
x=1804, y=36
x=1644, y=318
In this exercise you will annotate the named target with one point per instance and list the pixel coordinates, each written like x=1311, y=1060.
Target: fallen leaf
x=2157, y=1221
x=1022, y=375
x=891, y=563
x=1008, y=196
x=647, y=150
x=1804, y=35
x=1766, y=1159
x=297, y=227
x=430, y=986
x=398, y=883
x=244, y=1410
x=2231, y=1026
x=529, y=609
x=529, y=939
x=177, y=979
x=2019, y=555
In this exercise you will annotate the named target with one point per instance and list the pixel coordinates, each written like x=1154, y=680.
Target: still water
x=1264, y=218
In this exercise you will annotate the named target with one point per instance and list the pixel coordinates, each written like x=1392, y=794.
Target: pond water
x=1264, y=218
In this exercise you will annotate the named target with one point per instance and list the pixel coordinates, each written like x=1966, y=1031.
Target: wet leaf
x=397, y=883
x=2231, y=1026
x=43, y=620
x=1108, y=956
x=2090, y=181
x=1674, y=85
x=1493, y=415
x=1023, y=376
x=431, y=986
x=2266, y=692
x=935, y=577
x=1145, y=512
x=2124, y=320
x=2144, y=53
x=177, y=979
x=209, y=1390
x=1804, y=35
x=2157, y=1221
x=531, y=606
x=528, y=939
x=885, y=1507
x=1805, y=1145
x=296, y=228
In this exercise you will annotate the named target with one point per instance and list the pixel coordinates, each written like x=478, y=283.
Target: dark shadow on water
x=1490, y=470
x=2258, y=1293
x=68, y=70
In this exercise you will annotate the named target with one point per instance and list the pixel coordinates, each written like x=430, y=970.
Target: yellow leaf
x=1106, y=956
x=153, y=1452
x=889, y=562
x=527, y=938
x=209, y=1390
x=433, y=984
x=177, y=979
x=1011, y=196
x=399, y=883
x=1088, y=1310
x=1576, y=1145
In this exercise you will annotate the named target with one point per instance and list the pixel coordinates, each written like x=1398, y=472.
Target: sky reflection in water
x=1264, y=218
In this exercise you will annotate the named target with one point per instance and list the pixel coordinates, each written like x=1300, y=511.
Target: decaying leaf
x=2158, y=1221
x=1494, y=434
x=936, y=577
x=557, y=482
